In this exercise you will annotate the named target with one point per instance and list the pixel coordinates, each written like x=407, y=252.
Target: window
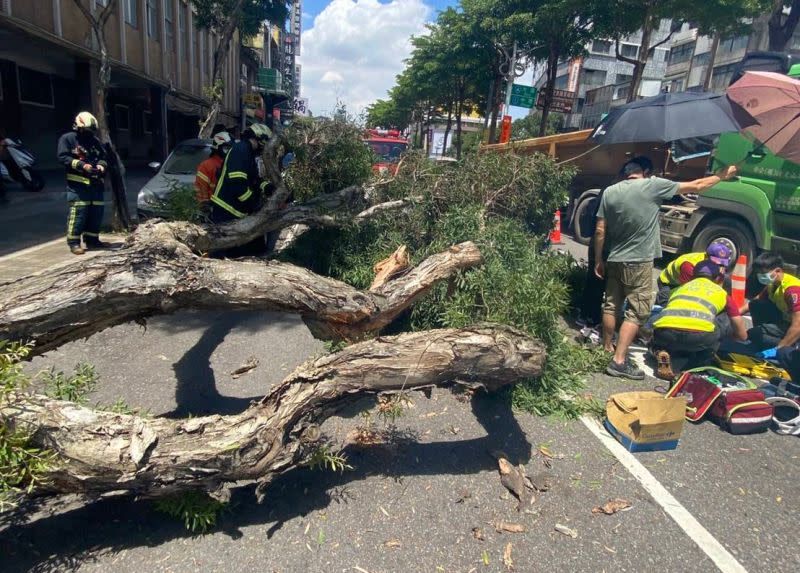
x=622, y=92
x=676, y=86
x=622, y=78
x=561, y=82
x=594, y=77
x=629, y=50
x=601, y=46
x=122, y=117
x=35, y=87
x=169, y=26
x=722, y=77
x=152, y=18
x=680, y=54
x=702, y=59
x=131, y=9
x=735, y=44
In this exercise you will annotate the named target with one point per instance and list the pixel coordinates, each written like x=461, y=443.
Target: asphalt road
x=29, y=219
x=411, y=504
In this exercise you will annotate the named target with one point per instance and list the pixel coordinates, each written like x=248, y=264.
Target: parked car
x=179, y=169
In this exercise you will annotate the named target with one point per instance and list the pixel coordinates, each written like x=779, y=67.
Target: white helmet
x=85, y=120
x=788, y=425
x=222, y=139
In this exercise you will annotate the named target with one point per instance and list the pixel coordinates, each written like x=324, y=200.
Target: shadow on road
x=51, y=542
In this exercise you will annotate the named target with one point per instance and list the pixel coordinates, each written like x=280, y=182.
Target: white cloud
x=354, y=50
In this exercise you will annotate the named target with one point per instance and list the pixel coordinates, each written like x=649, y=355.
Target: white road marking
x=721, y=557
x=29, y=250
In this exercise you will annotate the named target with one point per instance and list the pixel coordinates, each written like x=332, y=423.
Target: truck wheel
x=733, y=232
x=582, y=223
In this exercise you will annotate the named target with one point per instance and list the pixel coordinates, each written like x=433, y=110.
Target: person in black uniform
x=240, y=190
x=84, y=159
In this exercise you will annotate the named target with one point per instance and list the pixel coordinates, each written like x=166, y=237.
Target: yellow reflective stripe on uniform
x=263, y=185
x=238, y=214
x=246, y=195
x=80, y=203
x=76, y=163
x=73, y=214
x=672, y=272
x=98, y=202
x=693, y=306
x=87, y=233
x=707, y=304
x=78, y=179
x=202, y=176
x=778, y=294
x=237, y=175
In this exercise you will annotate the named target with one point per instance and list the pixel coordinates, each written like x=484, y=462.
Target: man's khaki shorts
x=632, y=282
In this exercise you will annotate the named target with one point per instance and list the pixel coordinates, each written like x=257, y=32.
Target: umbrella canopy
x=671, y=117
x=774, y=101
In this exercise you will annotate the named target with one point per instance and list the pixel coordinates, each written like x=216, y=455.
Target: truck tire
x=582, y=228
x=733, y=231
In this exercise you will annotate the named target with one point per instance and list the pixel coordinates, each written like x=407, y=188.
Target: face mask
x=766, y=279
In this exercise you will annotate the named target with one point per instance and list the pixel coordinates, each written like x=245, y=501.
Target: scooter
x=18, y=166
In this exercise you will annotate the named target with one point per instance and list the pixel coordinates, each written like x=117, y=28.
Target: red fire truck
x=387, y=146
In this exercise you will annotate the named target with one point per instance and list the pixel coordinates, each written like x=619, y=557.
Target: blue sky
x=352, y=50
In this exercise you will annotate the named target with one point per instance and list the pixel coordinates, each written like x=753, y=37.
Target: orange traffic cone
x=555, y=234
x=739, y=281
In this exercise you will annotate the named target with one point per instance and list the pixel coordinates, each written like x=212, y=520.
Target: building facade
x=161, y=62
x=690, y=56
x=600, y=68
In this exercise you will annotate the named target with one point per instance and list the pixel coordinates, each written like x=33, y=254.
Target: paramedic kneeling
x=688, y=330
x=776, y=314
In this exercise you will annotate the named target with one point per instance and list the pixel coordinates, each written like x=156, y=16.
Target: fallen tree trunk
x=102, y=451
x=155, y=277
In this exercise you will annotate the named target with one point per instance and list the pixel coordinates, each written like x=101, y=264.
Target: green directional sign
x=523, y=96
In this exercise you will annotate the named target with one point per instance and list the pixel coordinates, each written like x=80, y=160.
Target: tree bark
x=641, y=60
x=448, y=127
x=157, y=274
x=102, y=452
x=781, y=29
x=712, y=56
x=552, y=70
x=220, y=54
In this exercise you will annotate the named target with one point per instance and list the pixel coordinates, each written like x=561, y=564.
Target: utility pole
x=512, y=69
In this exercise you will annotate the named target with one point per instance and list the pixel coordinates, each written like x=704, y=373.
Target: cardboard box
x=645, y=421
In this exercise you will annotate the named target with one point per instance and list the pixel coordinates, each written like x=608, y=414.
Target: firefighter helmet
x=221, y=140
x=85, y=120
x=258, y=131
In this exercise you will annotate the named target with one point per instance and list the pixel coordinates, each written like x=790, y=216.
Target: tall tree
x=782, y=23
x=224, y=18
x=622, y=18
x=97, y=16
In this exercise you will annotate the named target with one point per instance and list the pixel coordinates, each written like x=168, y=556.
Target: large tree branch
x=102, y=451
x=158, y=275
x=622, y=58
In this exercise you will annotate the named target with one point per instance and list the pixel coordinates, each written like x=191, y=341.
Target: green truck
x=758, y=211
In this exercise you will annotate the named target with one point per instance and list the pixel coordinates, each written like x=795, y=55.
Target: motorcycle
x=17, y=165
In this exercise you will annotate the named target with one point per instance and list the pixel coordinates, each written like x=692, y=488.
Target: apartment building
x=601, y=68
x=691, y=54
x=161, y=62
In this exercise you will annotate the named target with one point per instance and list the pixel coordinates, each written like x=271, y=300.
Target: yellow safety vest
x=778, y=294
x=693, y=306
x=671, y=275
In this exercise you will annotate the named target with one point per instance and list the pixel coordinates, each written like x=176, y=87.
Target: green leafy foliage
x=324, y=458
x=22, y=466
x=197, y=510
x=529, y=126
x=181, y=203
x=505, y=204
x=215, y=14
x=329, y=155
x=74, y=388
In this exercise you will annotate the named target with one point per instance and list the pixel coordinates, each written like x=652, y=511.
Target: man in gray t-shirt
x=627, y=221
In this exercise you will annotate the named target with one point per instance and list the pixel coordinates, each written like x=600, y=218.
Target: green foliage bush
x=505, y=204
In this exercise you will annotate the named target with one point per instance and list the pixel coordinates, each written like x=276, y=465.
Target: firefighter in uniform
x=240, y=189
x=205, y=180
x=82, y=154
x=687, y=332
x=681, y=270
x=776, y=314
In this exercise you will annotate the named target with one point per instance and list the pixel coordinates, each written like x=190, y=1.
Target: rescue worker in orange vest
x=776, y=314
x=205, y=180
x=681, y=270
x=240, y=189
x=688, y=331
x=84, y=159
